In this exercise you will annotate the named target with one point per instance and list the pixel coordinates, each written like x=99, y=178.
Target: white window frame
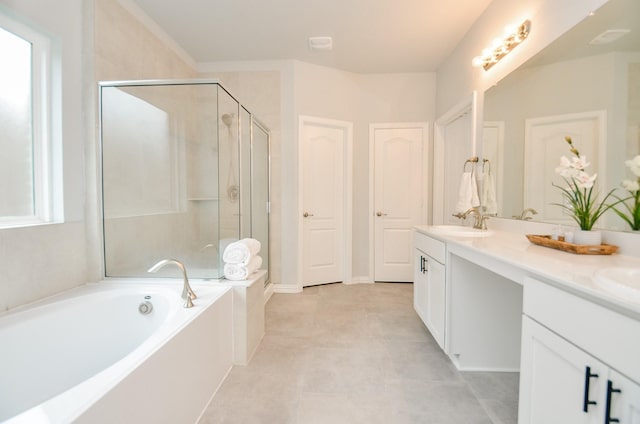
x=45, y=210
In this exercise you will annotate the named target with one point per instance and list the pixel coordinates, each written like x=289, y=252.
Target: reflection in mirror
x=585, y=85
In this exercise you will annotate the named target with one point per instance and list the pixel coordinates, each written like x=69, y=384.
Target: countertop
x=514, y=257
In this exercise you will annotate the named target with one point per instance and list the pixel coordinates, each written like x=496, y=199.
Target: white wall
x=361, y=99
x=306, y=89
x=39, y=261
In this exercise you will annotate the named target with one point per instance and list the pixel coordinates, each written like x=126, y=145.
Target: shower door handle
x=307, y=214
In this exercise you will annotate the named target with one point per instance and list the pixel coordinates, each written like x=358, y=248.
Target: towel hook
x=486, y=162
x=472, y=160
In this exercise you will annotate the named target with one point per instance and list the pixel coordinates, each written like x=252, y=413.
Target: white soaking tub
x=90, y=356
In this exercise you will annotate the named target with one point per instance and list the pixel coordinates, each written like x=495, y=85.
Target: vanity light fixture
x=500, y=48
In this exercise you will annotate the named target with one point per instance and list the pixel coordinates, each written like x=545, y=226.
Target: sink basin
x=459, y=231
x=619, y=281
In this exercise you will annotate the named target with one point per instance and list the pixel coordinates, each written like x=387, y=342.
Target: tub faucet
x=187, y=294
x=523, y=216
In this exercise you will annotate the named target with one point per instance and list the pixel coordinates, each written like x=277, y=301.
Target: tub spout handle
x=187, y=293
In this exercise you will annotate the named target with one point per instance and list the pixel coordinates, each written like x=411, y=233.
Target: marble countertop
x=513, y=256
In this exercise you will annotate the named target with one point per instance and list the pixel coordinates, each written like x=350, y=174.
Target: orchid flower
x=580, y=200
x=632, y=214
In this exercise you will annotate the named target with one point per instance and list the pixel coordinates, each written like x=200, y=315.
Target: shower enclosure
x=185, y=171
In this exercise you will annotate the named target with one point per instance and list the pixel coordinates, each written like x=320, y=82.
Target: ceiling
x=369, y=36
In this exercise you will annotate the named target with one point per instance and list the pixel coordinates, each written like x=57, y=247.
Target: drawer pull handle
x=607, y=416
x=587, y=382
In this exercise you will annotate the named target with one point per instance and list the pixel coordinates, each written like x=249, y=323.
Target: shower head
x=227, y=118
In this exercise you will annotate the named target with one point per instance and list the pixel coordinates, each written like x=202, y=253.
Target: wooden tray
x=580, y=249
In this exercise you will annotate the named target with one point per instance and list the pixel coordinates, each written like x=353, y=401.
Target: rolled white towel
x=238, y=272
x=241, y=251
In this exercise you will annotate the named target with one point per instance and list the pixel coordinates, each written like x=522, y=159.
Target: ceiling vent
x=609, y=36
x=320, y=43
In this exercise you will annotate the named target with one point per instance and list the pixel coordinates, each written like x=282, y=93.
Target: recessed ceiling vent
x=320, y=43
x=609, y=36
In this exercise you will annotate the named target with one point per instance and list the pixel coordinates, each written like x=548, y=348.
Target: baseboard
x=286, y=288
x=268, y=292
x=359, y=280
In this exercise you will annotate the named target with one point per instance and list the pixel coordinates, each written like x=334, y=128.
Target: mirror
x=586, y=85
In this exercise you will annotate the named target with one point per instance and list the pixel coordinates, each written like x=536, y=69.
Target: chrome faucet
x=523, y=216
x=187, y=294
x=479, y=220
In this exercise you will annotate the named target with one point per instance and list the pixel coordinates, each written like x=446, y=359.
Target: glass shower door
x=260, y=190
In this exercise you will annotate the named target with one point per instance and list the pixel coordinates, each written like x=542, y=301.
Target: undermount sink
x=619, y=281
x=460, y=231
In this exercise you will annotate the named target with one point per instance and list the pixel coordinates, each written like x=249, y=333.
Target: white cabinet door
x=429, y=295
x=622, y=400
x=420, y=284
x=436, y=298
x=555, y=384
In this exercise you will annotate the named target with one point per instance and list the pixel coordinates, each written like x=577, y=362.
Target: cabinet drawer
x=597, y=330
x=432, y=247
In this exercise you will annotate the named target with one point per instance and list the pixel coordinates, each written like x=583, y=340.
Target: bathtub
x=90, y=356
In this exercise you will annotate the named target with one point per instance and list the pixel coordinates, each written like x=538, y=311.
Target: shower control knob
x=307, y=214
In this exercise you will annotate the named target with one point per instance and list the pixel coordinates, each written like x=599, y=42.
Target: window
x=25, y=159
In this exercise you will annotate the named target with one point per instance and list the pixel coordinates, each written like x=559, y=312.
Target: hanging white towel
x=237, y=272
x=241, y=251
x=468, y=193
x=489, y=202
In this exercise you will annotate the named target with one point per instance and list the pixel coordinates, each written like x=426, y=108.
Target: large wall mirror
x=585, y=85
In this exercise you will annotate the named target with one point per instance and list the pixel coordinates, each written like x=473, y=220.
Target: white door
x=454, y=143
x=324, y=168
x=544, y=145
x=397, y=197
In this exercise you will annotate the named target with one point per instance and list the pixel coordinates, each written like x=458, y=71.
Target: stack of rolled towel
x=241, y=259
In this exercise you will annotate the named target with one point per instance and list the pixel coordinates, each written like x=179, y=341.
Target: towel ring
x=471, y=161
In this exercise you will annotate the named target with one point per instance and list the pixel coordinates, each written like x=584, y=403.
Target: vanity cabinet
x=577, y=365
x=429, y=286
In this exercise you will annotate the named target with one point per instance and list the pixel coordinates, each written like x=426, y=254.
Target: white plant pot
x=591, y=238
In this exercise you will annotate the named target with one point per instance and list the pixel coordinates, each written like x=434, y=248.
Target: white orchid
x=631, y=212
x=631, y=185
x=580, y=163
x=581, y=201
x=583, y=180
x=634, y=165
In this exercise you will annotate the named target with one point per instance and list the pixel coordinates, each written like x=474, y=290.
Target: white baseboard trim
x=268, y=292
x=286, y=288
x=359, y=280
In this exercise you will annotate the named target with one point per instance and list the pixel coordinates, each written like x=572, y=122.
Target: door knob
x=307, y=214
x=380, y=214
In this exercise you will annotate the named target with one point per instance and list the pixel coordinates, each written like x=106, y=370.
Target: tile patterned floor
x=356, y=354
